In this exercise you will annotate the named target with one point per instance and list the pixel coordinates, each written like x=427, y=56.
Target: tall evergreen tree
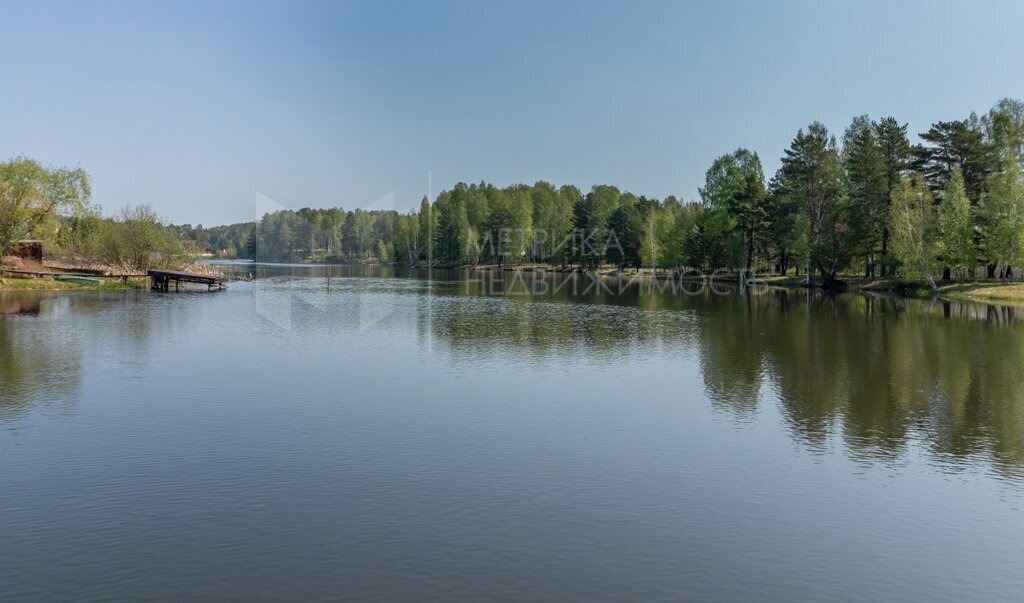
x=867, y=188
x=427, y=228
x=590, y=220
x=897, y=155
x=956, y=144
x=625, y=227
x=812, y=178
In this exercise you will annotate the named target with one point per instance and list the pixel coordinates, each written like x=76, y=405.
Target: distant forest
x=869, y=203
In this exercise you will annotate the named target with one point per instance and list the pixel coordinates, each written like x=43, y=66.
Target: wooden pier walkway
x=162, y=280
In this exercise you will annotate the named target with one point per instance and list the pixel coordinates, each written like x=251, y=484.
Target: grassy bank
x=1007, y=293
x=45, y=284
x=985, y=291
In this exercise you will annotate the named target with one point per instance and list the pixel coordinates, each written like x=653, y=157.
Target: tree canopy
x=870, y=202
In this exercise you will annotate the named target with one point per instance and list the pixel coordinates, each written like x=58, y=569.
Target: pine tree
x=956, y=144
x=427, y=228
x=811, y=178
x=897, y=155
x=868, y=190
x=626, y=228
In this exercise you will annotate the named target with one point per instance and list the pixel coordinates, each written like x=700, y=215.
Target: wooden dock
x=162, y=280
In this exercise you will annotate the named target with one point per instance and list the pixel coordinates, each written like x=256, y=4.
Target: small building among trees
x=29, y=249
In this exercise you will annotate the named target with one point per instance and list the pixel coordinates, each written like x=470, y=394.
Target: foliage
x=1002, y=215
x=1004, y=128
x=626, y=227
x=867, y=173
x=956, y=144
x=912, y=217
x=139, y=241
x=811, y=179
x=34, y=197
x=828, y=207
x=734, y=184
x=955, y=231
x=867, y=203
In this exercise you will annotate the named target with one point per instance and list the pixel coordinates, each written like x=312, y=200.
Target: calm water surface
x=386, y=437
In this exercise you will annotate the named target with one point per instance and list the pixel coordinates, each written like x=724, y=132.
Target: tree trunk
x=885, y=243
x=991, y=271
x=828, y=278
x=750, y=251
x=946, y=273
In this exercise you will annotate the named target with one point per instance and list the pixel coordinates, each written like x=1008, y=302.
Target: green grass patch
x=45, y=284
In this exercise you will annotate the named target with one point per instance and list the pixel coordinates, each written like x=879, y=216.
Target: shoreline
x=45, y=284
x=978, y=290
x=18, y=274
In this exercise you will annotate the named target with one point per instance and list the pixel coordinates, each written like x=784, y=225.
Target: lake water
x=380, y=436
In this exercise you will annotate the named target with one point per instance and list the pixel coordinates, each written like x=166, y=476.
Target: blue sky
x=216, y=112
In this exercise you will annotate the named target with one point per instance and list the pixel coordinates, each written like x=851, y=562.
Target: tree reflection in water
x=875, y=371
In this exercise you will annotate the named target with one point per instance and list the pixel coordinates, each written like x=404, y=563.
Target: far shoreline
x=999, y=291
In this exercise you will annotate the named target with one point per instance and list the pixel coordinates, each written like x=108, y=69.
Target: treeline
x=134, y=241
x=868, y=202
x=304, y=235
x=52, y=204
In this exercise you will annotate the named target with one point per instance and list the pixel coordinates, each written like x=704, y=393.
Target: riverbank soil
x=23, y=283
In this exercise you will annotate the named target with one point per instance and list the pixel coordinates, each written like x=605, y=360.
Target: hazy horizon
x=218, y=114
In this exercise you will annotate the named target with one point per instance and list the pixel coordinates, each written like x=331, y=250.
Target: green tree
x=406, y=241
x=552, y=219
x=867, y=189
x=707, y=243
x=1004, y=128
x=33, y=196
x=384, y=252
x=452, y=226
x=357, y=235
x=811, y=178
x=1002, y=216
x=897, y=155
x=590, y=220
x=956, y=144
x=784, y=230
x=955, y=231
x=656, y=219
x=499, y=224
x=735, y=184
x=625, y=227
x=137, y=241
x=427, y=228
x=561, y=239
x=800, y=243
x=912, y=216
